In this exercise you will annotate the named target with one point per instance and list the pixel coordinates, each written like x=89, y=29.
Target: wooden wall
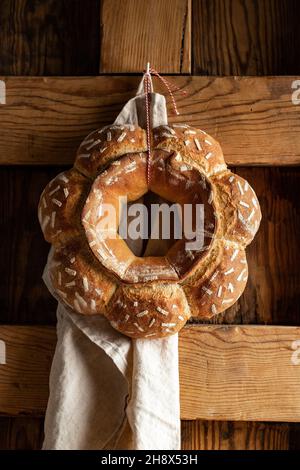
x=187, y=37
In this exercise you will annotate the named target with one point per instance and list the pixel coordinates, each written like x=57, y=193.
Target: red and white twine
x=147, y=91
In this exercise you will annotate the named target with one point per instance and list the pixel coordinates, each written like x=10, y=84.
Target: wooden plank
x=137, y=32
x=242, y=373
x=246, y=37
x=21, y=433
x=51, y=37
x=249, y=37
x=295, y=436
x=23, y=251
x=274, y=257
x=25, y=376
x=27, y=434
x=226, y=373
x=45, y=119
x=219, y=435
x=272, y=291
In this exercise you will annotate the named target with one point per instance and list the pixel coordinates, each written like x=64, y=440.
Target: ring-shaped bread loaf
x=93, y=270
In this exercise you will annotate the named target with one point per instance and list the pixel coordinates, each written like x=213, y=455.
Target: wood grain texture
x=252, y=37
x=137, y=32
x=239, y=373
x=246, y=37
x=219, y=435
x=21, y=433
x=23, y=252
x=272, y=291
x=294, y=436
x=49, y=37
x=25, y=376
x=251, y=366
x=27, y=434
x=45, y=119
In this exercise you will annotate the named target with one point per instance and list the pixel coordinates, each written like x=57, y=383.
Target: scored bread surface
x=93, y=271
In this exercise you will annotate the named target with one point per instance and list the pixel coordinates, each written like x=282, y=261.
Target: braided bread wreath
x=151, y=296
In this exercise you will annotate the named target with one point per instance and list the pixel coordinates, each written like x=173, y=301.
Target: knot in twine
x=147, y=90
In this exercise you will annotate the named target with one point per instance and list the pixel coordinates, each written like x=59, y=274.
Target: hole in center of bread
x=155, y=234
x=157, y=229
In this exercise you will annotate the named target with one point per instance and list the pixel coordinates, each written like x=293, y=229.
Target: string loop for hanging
x=147, y=90
x=169, y=86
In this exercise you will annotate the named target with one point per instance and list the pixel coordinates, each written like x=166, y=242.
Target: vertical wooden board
x=230, y=435
x=24, y=376
x=136, y=32
x=21, y=433
x=274, y=257
x=49, y=37
x=23, y=251
x=272, y=291
x=295, y=436
x=246, y=37
x=271, y=294
x=27, y=434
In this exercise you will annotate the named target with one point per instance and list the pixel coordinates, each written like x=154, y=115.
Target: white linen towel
x=108, y=391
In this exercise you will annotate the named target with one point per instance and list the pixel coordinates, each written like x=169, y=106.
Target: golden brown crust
x=79, y=280
x=150, y=268
x=223, y=286
x=115, y=182
x=193, y=144
x=105, y=145
x=147, y=311
x=60, y=206
x=150, y=296
x=238, y=208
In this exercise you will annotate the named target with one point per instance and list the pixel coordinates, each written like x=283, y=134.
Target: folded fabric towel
x=108, y=391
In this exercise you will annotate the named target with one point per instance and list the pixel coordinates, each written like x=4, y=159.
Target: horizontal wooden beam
x=239, y=373
x=25, y=361
x=254, y=118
